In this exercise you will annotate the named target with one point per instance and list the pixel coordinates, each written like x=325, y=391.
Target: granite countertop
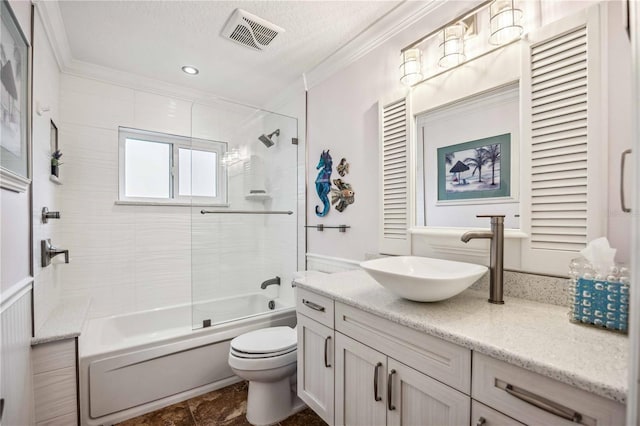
x=532, y=335
x=65, y=321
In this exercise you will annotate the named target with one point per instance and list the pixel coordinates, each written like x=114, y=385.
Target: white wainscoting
x=328, y=264
x=15, y=361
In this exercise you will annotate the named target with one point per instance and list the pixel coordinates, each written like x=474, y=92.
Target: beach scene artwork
x=474, y=169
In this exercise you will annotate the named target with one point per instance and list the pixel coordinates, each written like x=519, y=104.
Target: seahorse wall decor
x=323, y=182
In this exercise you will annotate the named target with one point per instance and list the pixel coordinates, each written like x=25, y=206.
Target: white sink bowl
x=421, y=278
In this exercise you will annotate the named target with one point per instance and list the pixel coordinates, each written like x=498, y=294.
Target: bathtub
x=135, y=363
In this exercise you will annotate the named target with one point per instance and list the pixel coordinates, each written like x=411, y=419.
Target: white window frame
x=176, y=142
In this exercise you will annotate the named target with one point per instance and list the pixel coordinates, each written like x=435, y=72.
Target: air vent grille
x=559, y=142
x=250, y=31
x=242, y=35
x=262, y=34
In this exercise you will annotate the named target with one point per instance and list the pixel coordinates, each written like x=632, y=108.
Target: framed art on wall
x=14, y=102
x=478, y=169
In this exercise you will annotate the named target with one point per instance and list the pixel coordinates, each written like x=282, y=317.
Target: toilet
x=267, y=358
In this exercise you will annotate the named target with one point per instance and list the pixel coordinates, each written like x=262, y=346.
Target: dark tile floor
x=224, y=407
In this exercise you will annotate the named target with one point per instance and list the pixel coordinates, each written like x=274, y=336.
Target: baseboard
x=328, y=264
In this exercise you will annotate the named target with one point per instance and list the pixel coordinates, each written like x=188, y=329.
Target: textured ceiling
x=155, y=38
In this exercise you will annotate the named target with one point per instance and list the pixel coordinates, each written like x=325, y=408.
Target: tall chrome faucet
x=496, y=266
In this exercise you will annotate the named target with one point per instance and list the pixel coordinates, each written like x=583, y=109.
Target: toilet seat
x=246, y=355
x=265, y=342
x=262, y=363
x=264, y=349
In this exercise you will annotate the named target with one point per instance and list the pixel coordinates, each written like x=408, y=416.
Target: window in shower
x=162, y=168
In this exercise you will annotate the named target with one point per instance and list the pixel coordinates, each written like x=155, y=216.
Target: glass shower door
x=244, y=247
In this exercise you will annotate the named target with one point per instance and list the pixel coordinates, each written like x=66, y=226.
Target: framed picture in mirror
x=477, y=169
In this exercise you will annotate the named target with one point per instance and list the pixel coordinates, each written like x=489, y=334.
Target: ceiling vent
x=250, y=30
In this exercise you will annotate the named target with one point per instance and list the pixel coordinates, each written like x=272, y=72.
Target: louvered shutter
x=394, y=156
x=566, y=174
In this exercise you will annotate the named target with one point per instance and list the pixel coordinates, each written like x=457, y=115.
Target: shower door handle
x=326, y=352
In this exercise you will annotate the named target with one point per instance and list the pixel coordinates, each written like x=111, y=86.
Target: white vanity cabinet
x=399, y=377
x=374, y=389
x=356, y=368
x=360, y=388
x=534, y=399
x=315, y=353
x=383, y=374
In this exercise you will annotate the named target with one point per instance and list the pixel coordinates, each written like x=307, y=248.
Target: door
x=316, y=366
x=415, y=399
x=360, y=384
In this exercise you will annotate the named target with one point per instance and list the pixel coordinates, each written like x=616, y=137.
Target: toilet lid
x=266, y=341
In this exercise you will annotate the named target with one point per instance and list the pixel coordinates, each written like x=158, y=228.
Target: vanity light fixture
x=505, y=22
x=410, y=66
x=188, y=69
x=452, y=45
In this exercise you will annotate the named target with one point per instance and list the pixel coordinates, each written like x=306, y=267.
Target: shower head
x=266, y=139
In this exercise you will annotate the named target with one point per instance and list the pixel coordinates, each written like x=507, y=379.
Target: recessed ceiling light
x=190, y=70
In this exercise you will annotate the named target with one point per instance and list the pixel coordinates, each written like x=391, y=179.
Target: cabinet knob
x=481, y=421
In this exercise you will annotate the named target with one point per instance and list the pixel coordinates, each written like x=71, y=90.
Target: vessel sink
x=423, y=279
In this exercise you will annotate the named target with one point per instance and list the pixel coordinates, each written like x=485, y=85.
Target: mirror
x=467, y=160
x=461, y=113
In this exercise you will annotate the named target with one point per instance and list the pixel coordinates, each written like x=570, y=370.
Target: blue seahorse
x=323, y=182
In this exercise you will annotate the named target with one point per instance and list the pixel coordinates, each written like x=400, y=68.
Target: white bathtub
x=135, y=363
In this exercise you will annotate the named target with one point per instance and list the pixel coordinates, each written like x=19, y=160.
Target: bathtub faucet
x=272, y=281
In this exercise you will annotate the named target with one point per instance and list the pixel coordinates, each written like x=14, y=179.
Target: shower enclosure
x=244, y=228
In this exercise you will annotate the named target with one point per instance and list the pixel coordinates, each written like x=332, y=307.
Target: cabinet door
x=316, y=366
x=360, y=384
x=415, y=399
x=481, y=415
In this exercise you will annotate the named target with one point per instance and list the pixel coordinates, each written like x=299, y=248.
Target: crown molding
x=397, y=20
x=51, y=18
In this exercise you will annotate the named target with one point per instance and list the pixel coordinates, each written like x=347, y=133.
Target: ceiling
x=156, y=38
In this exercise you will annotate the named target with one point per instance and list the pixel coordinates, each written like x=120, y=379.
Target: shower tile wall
x=46, y=83
x=131, y=258
x=127, y=258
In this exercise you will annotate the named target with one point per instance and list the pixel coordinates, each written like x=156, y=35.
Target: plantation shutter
x=564, y=202
x=394, y=183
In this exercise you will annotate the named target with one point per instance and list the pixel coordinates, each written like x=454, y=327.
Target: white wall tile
x=91, y=103
x=130, y=258
x=162, y=114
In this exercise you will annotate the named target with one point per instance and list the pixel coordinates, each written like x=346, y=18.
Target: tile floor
x=224, y=407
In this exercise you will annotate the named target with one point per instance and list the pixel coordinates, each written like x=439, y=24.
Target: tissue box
x=598, y=301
